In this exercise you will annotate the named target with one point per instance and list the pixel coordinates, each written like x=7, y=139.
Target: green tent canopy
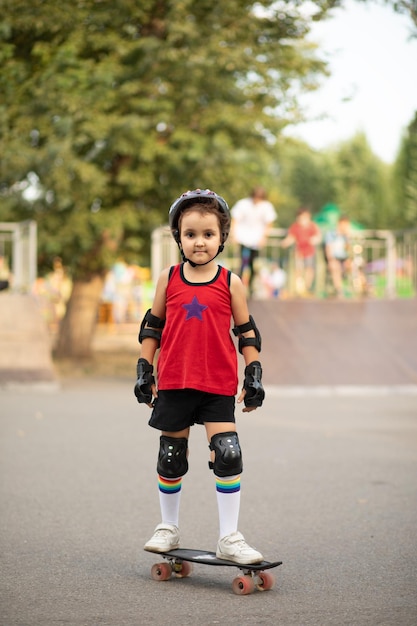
x=328, y=216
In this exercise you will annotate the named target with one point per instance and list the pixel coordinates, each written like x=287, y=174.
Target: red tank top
x=197, y=350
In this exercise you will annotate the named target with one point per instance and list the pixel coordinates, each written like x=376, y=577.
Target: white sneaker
x=166, y=537
x=234, y=548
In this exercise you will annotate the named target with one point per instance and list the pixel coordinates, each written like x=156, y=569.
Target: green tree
x=405, y=180
x=407, y=7
x=349, y=175
x=363, y=189
x=307, y=178
x=115, y=107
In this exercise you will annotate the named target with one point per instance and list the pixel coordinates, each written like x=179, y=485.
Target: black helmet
x=184, y=200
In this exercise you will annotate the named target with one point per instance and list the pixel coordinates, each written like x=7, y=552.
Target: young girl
x=197, y=368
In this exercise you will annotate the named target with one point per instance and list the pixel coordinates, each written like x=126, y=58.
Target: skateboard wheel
x=243, y=585
x=267, y=581
x=161, y=571
x=185, y=570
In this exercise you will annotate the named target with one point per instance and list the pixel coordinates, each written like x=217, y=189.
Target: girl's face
x=200, y=236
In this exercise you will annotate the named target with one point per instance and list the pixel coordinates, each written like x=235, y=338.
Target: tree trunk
x=78, y=325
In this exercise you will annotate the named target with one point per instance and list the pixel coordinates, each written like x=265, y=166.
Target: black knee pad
x=228, y=455
x=172, y=459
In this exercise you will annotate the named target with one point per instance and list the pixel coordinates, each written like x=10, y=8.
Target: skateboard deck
x=180, y=563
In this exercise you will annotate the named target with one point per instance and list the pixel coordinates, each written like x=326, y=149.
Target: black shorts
x=177, y=409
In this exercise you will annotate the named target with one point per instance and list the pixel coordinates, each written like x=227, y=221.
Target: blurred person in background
x=4, y=274
x=252, y=219
x=305, y=235
x=337, y=252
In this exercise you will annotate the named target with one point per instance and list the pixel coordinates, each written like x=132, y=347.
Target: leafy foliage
x=117, y=107
x=307, y=178
x=348, y=175
x=363, y=184
x=408, y=7
x=405, y=179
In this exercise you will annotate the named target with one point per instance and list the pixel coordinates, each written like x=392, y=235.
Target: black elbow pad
x=248, y=341
x=155, y=322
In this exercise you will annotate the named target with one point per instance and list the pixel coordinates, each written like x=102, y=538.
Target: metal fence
x=383, y=264
x=406, y=262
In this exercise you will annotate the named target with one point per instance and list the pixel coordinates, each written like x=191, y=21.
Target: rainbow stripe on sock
x=228, y=486
x=167, y=485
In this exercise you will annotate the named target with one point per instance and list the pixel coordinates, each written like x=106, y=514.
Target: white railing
x=18, y=245
x=386, y=260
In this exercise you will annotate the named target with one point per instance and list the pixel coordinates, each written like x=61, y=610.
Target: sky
x=373, y=82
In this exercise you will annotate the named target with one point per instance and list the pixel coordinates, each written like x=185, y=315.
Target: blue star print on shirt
x=194, y=309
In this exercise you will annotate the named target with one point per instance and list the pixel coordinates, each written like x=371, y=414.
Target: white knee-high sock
x=169, y=499
x=228, y=503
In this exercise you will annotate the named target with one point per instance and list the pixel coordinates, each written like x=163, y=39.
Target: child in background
x=305, y=234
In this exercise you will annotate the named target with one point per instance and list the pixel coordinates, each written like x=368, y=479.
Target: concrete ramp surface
x=309, y=342
x=25, y=346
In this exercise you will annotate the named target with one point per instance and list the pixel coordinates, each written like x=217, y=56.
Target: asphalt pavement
x=329, y=487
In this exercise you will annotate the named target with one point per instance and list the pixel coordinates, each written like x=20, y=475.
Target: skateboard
x=180, y=563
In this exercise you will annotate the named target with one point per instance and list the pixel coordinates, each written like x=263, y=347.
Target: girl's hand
x=240, y=399
x=154, y=392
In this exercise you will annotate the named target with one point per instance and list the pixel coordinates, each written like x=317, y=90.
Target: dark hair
x=303, y=209
x=259, y=192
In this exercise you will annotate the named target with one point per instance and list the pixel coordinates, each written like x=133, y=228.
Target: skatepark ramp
x=25, y=345
x=331, y=343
